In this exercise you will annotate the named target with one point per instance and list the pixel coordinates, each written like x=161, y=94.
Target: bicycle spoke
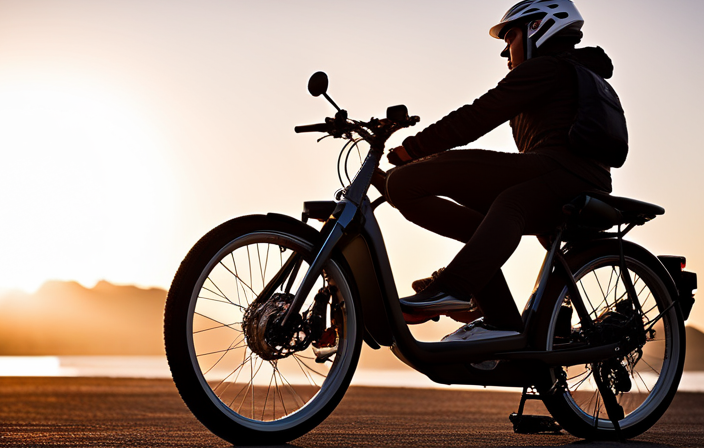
x=223, y=355
x=237, y=283
x=229, y=349
x=642, y=381
x=281, y=396
x=307, y=375
x=582, y=381
x=228, y=302
x=290, y=388
x=249, y=262
x=238, y=278
x=218, y=326
x=218, y=322
x=266, y=399
x=587, y=299
x=266, y=259
x=602, y=289
x=259, y=258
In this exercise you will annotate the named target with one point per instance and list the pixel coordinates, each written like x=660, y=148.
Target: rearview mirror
x=318, y=84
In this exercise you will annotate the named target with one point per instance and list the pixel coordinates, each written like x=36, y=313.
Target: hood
x=596, y=60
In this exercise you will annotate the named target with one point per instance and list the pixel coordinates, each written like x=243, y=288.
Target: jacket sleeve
x=522, y=87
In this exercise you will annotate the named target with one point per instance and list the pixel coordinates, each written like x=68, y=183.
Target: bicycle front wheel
x=643, y=381
x=240, y=374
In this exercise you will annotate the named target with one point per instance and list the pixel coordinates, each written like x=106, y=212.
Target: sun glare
x=82, y=172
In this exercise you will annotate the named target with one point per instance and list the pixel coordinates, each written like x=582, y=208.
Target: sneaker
x=478, y=331
x=420, y=285
x=433, y=300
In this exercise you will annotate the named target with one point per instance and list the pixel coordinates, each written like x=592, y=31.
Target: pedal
x=534, y=424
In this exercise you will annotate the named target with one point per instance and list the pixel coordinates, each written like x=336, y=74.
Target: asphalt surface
x=96, y=412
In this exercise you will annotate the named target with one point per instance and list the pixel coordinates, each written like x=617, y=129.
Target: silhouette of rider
x=489, y=199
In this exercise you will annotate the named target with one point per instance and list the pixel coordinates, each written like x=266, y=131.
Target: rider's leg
x=449, y=193
x=529, y=208
x=474, y=180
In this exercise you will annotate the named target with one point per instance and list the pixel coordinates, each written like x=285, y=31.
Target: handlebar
x=375, y=131
x=319, y=127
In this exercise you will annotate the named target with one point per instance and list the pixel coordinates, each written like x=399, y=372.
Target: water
x=156, y=367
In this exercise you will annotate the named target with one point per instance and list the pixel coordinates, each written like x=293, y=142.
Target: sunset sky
x=129, y=129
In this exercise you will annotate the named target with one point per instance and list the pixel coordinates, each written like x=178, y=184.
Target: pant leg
x=529, y=208
x=451, y=192
x=488, y=200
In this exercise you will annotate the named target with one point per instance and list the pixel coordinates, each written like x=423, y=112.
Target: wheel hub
x=263, y=331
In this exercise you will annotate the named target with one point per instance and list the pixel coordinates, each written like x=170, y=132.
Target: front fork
x=349, y=210
x=344, y=214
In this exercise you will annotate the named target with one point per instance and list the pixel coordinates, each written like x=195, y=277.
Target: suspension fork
x=349, y=210
x=353, y=197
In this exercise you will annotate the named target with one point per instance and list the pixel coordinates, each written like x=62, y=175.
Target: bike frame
x=353, y=232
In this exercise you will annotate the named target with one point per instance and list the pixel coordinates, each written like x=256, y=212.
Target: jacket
x=539, y=99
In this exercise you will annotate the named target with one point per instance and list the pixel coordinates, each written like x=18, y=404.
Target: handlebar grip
x=320, y=127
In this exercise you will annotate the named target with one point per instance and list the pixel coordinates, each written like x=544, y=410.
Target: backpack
x=599, y=131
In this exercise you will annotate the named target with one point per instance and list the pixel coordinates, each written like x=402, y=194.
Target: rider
x=488, y=199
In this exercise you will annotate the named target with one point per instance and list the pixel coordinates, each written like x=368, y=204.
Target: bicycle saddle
x=601, y=211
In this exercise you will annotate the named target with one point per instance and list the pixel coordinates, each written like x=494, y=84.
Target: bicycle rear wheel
x=241, y=375
x=643, y=381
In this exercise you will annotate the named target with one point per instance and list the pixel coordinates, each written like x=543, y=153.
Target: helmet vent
x=562, y=15
x=553, y=6
x=531, y=10
x=543, y=29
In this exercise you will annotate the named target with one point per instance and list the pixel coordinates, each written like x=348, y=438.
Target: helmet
x=544, y=18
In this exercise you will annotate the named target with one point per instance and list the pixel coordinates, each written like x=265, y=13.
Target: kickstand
x=532, y=424
x=613, y=409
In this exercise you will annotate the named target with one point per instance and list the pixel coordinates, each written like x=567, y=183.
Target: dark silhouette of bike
x=266, y=315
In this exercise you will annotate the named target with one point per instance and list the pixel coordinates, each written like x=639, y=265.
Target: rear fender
x=576, y=257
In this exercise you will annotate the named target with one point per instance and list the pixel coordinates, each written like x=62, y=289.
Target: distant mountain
x=64, y=318
x=695, y=349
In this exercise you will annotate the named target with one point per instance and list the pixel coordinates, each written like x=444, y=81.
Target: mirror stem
x=331, y=101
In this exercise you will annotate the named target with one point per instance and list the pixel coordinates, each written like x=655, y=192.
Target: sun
x=85, y=184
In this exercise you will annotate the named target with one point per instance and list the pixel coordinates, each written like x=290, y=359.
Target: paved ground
x=94, y=412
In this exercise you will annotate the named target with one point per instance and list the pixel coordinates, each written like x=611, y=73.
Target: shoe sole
x=437, y=305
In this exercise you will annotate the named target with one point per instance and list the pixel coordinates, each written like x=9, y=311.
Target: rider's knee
x=395, y=187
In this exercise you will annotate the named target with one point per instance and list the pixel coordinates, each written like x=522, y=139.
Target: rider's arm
x=531, y=81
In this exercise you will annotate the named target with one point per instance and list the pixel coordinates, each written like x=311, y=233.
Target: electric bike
x=266, y=316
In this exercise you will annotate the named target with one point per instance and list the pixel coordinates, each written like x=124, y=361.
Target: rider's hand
x=398, y=156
